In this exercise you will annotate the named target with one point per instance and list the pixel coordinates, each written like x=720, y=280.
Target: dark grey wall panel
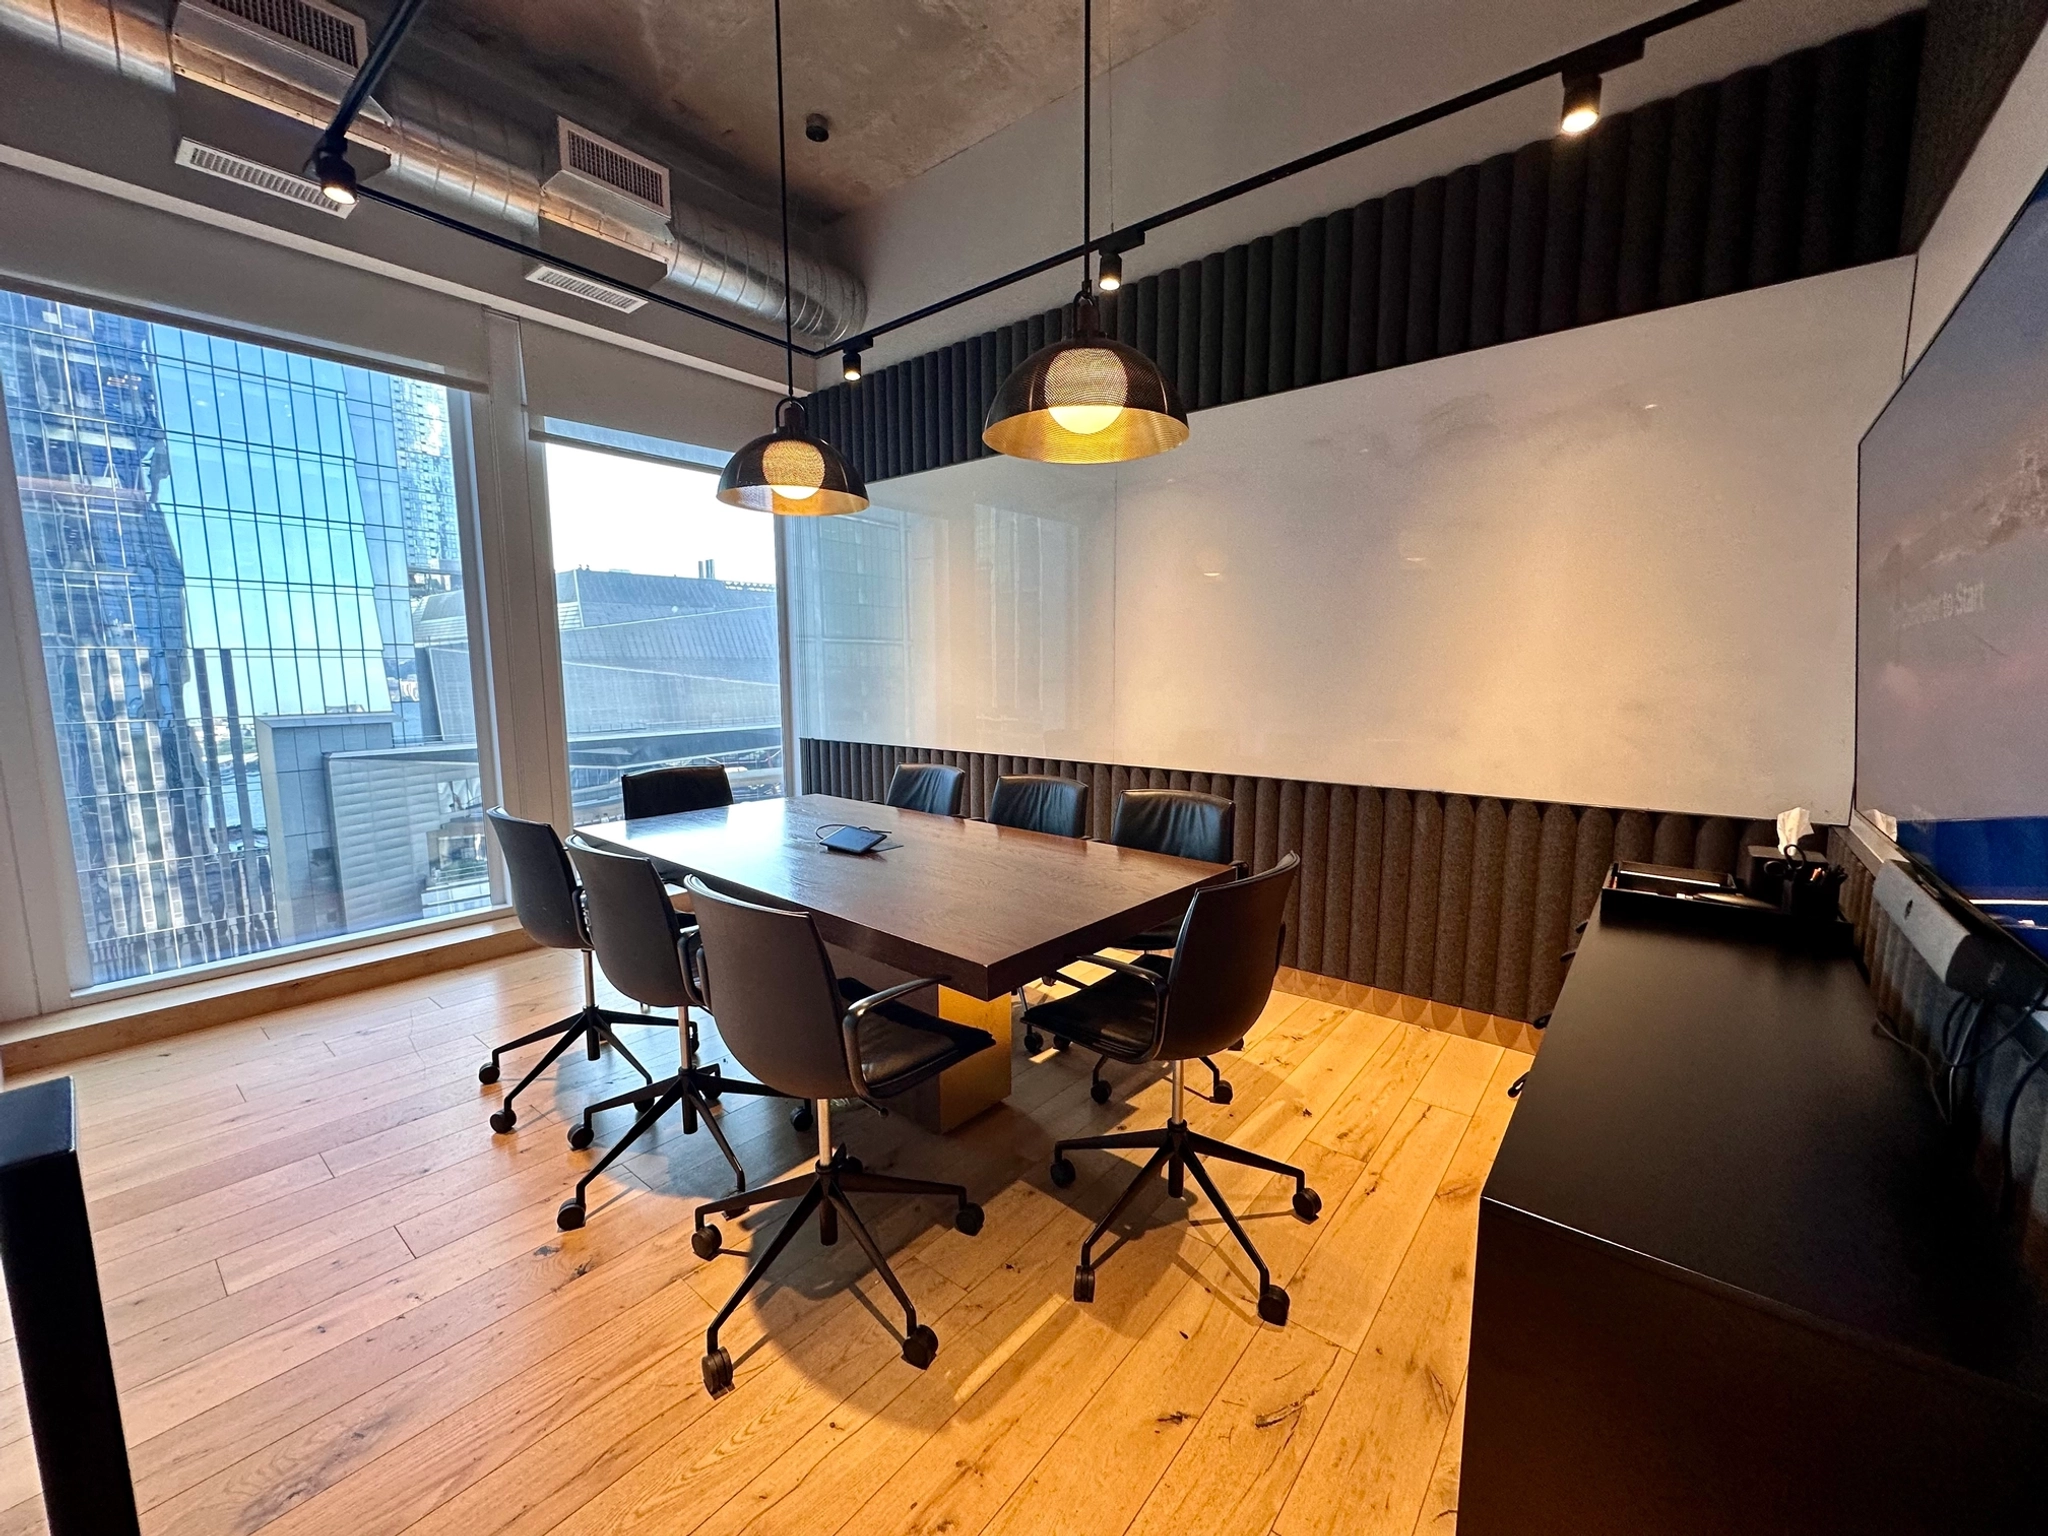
x=1188, y=377
x=1425, y=869
x=1397, y=847
x=1494, y=200
x=1642, y=212
x=1258, y=317
x=1781, y=170
x=1231, y=364
x=1454, y=262
x=1425, y=270
x=1528, y=201
x=1831, y=161
x=1564, y=229
x=1972, y=50
x=1397, y=227
x=1209, y=380
x=1336, y=312
x=1362, y=340
x=1308, y=303
x=1600, y=230
x=1731, y=189
x=1167, y=346
x=1688, y=182
x=1280, y=326
x=1785, y=170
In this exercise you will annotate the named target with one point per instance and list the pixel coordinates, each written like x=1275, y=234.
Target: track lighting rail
x=1592, y=56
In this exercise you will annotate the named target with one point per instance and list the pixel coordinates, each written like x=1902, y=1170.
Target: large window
x=249, y=588
x=666, y=600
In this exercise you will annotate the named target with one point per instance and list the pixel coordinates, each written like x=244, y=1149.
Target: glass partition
x=248, y=583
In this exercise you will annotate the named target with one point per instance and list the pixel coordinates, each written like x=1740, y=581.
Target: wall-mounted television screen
x=1952, y=595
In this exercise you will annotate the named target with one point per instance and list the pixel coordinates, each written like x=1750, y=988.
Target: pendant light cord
x=1087, y=131
x=782, y=162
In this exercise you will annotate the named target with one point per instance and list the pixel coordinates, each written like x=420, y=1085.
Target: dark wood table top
x=987, y=907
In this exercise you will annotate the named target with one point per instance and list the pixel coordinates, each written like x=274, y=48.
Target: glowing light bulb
x=794, y=492
x=1579, y=119
x=1086, y=420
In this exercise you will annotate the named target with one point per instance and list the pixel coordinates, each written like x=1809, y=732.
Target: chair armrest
x=849, y=1028
x=1143, y=973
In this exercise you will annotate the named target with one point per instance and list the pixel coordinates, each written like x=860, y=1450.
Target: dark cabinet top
x=1725, y=1110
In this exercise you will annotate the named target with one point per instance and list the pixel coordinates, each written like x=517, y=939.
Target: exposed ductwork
x=295, y=57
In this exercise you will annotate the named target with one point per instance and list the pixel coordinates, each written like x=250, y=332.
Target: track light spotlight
x=849, y=365
x=1581, y=104
x=336, y=176
x=1109, y=271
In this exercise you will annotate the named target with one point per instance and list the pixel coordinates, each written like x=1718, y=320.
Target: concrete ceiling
x=904, y=83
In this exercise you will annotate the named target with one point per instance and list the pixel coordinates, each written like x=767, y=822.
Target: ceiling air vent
x=613, y=165
x=583, y=288
x=319, y=28
x=195, y=156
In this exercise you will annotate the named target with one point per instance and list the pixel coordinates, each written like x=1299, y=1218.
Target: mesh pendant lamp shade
x=792, y=473
x=1085, y=400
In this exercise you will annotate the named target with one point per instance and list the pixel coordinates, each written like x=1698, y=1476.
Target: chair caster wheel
x=502, y=1121
x=854, y=1165
x=707, y=1242
x=1034, y=1042
x=487, y=1073
x=1273, y=1306
x=1060, y=1042
x=1062, y=1172
x=922, y=1347
x=711, y=1092
x=580, y=1136
x=802, y=1118
x=968, y=1219
x=1237, y=1044
x=1084, y=1285
x=718, y=1373
x=1308, y=1205
x=1223, y=1095
x=1099, y=1091
x=641, y=1106
x=570, y=1216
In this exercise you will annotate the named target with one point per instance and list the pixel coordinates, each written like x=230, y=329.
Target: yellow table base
x=956, y=1096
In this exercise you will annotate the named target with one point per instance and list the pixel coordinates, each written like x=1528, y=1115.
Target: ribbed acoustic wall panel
x=1782, y=171
x=1462, y=899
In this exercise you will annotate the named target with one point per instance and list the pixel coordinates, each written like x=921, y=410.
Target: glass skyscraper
x=228, y=543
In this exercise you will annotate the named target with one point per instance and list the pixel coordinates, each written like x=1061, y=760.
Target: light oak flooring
x=340, y=1305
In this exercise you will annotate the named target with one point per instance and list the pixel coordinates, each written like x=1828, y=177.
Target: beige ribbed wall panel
x=1468, y=901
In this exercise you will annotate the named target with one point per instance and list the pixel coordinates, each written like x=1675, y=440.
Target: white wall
x=1610, y=566
x=1253, y=85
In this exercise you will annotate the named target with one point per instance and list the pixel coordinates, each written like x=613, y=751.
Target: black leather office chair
x=1178, y=1010
x=549, y=905
x=928, y=787
x=667, y=791
x=646, y=948
x=1183, y=825
x=1039, y=802
x=791, y=1022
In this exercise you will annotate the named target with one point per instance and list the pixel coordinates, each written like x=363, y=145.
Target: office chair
x=1038, y=802
x=1178, y=1010
x=549, y=905
x=791, y=1022
x=1183, y=825
x=667, y=791
x=647, y=950
x=929, y=787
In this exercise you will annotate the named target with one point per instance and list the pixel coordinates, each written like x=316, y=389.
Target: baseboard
x=1421, y=1011
x=51, y=1039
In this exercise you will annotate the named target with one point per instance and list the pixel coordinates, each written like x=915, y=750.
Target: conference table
x=987, y=908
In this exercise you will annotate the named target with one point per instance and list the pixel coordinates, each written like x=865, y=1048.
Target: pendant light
x=1086, y=399
x=789, y=471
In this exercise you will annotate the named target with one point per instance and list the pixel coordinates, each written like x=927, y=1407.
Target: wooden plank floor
x=340, y=1305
